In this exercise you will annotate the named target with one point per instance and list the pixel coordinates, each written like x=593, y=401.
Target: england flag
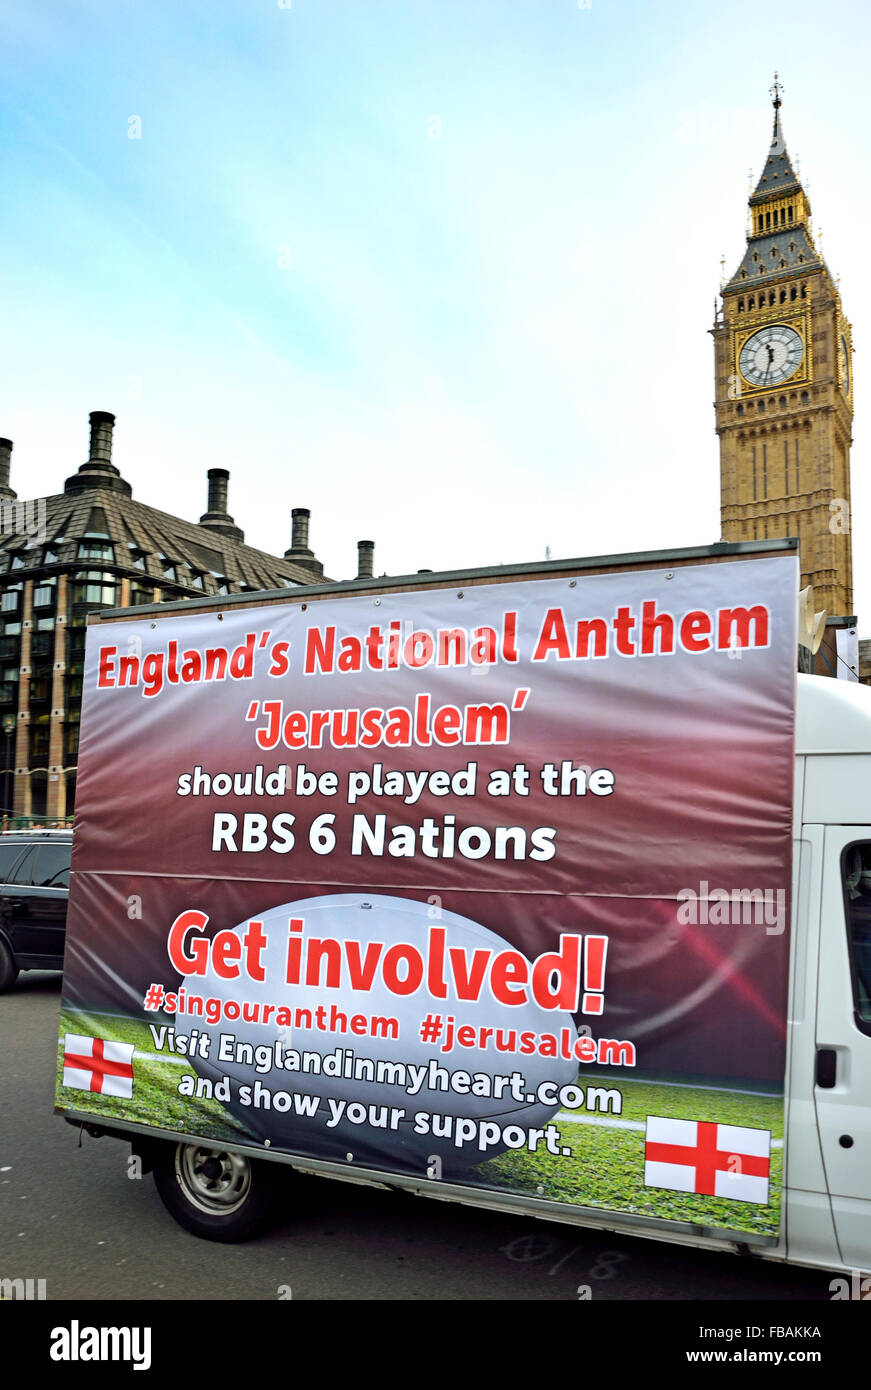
x=93, y=1064
x=707, y=1158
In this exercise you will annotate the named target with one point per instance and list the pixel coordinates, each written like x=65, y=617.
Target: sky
x=443, y=272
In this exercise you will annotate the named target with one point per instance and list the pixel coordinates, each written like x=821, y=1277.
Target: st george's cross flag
x=93, y=1064
x=707, y=1158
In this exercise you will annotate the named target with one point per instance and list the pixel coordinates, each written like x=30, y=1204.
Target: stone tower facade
x=784, y=388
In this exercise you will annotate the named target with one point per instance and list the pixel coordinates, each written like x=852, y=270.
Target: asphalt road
x=70, y=1214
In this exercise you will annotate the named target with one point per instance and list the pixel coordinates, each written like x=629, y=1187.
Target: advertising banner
x=487, y=885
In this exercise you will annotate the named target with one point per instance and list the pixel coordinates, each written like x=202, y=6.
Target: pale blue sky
x=442, y=272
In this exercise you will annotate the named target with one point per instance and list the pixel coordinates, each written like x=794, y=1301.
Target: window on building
x=94, y=587
x=96, y=550
x=10, y=599
x=765, y=470
x=167, y=566
x=43, y=596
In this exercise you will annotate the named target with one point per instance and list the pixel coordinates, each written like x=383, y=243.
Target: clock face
x=770, y=356
x=845, y=366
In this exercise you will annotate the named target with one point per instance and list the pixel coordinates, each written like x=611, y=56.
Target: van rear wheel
x=214, y=1193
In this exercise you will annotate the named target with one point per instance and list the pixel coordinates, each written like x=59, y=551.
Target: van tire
x=8, y=968
x=213, y=1193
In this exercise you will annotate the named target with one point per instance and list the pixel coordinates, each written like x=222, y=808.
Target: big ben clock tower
x=784, y=388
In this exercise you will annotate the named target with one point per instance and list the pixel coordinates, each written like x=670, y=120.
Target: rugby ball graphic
x=357, y=1070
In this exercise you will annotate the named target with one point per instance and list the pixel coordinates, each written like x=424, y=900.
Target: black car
x=34, y=889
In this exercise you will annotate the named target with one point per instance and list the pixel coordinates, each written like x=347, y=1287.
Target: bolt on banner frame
x=477, y=884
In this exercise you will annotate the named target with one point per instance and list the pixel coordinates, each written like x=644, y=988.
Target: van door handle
x=827, y=1067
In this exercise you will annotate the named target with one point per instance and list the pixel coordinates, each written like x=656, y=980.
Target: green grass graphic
x=606, y=1168
x=155, y=1099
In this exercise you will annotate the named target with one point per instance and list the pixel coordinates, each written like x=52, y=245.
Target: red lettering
x=565, y=964
x=414, y=973
x=447, y=724
x=695, y=631
x=106, y=677
x=319, y=650
x=195, y=963
x=653, y=622
x=509, y=977
x=553, y=637
x=468, y=978
x=280, y=659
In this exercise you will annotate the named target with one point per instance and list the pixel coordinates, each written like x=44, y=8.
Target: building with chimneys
x=784, y=397
x=92, y=547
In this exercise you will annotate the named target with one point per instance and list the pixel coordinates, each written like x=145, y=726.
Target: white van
x=214, y=1167
x=827, y=1170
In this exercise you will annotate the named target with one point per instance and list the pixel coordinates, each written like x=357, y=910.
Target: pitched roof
x=134, y=530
